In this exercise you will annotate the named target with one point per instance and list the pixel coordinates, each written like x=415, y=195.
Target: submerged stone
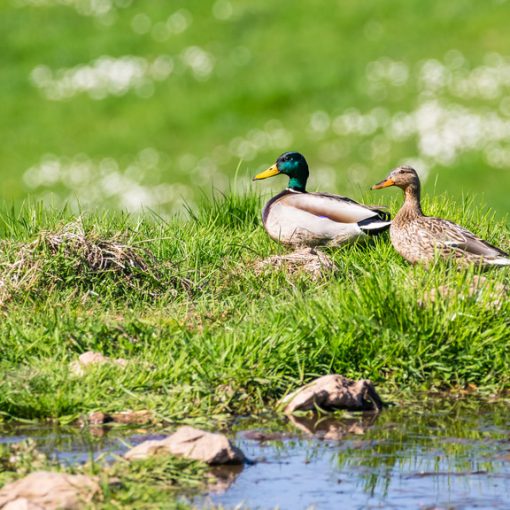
x=193, y=444
x=332, y=392
x=49, y=491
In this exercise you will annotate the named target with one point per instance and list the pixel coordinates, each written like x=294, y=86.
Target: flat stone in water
x=48, y=490
x=191, y=443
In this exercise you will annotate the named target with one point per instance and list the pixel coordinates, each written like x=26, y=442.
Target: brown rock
x=133, y=417
x=97, y=418
x=91, y=358
x=49, y=491
x=265, y=436
x=22, y=504
x=193, y=444
x=129, y=417
x=334, y=392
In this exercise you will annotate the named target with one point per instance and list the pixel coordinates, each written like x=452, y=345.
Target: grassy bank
x=205, y=334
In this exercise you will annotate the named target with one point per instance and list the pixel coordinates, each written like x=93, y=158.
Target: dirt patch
x=308, y=260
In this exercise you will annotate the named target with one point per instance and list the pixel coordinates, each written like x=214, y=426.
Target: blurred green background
x=143, y=103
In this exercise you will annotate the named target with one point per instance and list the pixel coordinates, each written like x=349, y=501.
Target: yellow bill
x=384, y=184
x=273, y=170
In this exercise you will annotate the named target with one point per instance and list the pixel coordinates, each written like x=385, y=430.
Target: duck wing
x=312, y=219
x=334, y=207
x=451, y=235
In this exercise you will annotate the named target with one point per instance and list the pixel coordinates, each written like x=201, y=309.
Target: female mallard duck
x=418, y=238
x=297, y=218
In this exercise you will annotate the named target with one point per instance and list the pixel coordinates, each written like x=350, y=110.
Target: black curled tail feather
x=375, y=224
x=383, y=215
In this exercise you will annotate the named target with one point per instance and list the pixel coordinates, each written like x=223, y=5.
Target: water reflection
x=69, y=445
x=440, y=452
x=333, y=429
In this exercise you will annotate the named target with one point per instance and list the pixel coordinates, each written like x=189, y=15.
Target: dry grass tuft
x=96, y=254
x=81, y=258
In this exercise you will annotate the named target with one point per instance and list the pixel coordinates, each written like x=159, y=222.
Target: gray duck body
x=297, y=219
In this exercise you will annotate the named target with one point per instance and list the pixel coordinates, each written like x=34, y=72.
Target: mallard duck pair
x=297, y=218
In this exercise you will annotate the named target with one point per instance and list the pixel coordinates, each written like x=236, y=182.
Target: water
x=73, y=445
x=437, y=454
x=443, y=453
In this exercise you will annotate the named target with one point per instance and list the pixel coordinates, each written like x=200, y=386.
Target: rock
x=91, y=358
x=142, y=417
x=332, y=392
x=22, y=504
x=193, y=444
x=312, y=261
x=129, y=417
x=96, y=418
x=263, y=436
x=49, y=491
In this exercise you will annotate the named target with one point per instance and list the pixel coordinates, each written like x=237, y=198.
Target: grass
x=229, y=340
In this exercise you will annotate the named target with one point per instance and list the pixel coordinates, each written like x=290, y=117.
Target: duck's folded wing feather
x=454, y=236
x=335, y=207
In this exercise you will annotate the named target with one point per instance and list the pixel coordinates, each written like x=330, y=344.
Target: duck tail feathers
x=500, y=261
x=373, y=225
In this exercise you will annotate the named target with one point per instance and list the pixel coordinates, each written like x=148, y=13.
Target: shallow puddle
x=73, y=445
x=441, y=453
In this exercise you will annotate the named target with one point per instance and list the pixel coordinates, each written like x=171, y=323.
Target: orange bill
x=384, y=184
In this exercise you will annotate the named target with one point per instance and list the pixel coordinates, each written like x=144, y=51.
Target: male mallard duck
x=418, y=237
x=297, y=218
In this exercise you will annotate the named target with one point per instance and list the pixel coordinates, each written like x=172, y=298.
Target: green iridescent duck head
x=292, y=164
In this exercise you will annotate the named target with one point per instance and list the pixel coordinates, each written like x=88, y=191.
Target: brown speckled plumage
x=419, y=238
